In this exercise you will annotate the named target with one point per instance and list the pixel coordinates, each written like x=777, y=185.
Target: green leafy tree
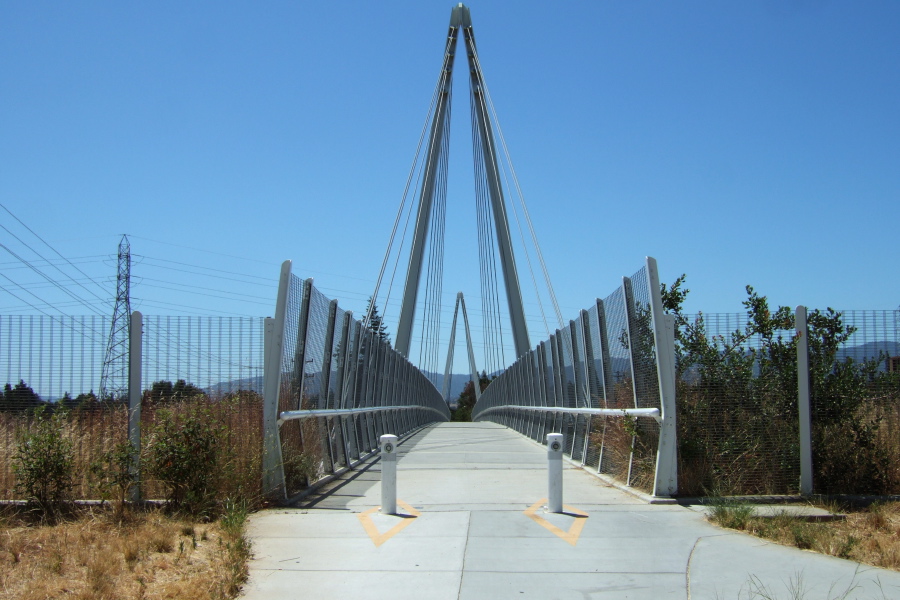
x=737, y=403
x=19, y=398
x=184, y=451
x=165, y=391
x=113, y=472
x=466, y=401
x=44, y=464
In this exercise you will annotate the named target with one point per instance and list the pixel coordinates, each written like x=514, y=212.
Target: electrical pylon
x=114, y=378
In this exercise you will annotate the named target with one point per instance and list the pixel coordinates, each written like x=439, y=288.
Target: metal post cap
x=388, y=443
x=555, y=442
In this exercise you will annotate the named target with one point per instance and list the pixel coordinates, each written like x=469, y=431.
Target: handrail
x=608, y=412
x=291, y=415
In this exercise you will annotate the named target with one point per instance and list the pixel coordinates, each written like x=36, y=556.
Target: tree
x=19, y=397
x=737, y=403
x=376, y=323
x=166, y=391
x=466, y=401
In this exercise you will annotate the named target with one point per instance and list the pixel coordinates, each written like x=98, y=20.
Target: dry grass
x=96, y=430
x=149, y=556
x=870, y=536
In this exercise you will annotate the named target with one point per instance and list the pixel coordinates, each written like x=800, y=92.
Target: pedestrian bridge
x=471, y=524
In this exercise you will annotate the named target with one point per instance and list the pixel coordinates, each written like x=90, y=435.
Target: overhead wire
x=434, y=97
x=56, y=284
x=52, y=248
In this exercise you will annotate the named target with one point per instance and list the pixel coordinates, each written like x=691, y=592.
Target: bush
x=44, y=465
x=183, y=453
x=113, y=471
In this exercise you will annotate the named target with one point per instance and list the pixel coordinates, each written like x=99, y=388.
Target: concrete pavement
x=471, y=526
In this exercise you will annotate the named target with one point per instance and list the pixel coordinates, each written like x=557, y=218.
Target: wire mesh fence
x=605, y=360
x=331, y=362
x=737, y=402
x=53, y=365
x=738, y=424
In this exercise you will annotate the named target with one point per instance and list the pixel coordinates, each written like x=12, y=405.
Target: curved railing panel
x=600, y=383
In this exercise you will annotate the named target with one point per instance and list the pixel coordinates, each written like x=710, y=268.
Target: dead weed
x=149, y=556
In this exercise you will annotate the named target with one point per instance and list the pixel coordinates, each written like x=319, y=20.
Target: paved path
x=465, y=490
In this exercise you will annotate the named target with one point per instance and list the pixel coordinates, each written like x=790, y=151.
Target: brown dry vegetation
x=97, y=429
x=870, y=535
x=148, y=556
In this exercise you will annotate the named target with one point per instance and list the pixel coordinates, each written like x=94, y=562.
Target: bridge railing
x=607, y=381
x=332, y=388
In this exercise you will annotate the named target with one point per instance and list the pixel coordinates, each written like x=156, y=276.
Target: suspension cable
x=434, y=97
x=521, y=196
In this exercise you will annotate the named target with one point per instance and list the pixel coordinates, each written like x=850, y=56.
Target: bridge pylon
x=433, y=178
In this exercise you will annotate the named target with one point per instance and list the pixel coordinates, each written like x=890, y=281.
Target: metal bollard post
x=388, y=474
x=555, y=447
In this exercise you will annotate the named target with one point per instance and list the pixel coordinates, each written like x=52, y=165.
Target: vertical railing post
x=325, y=381
x=803, y=403
x=297, y=387
x=344, y=346
x=666, y=480
x=135, y=346
x=273, y=465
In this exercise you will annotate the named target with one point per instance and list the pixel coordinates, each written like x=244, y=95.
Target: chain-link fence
x=597, y=381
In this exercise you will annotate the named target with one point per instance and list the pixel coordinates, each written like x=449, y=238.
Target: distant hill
x=457, y=383
x=870, y=350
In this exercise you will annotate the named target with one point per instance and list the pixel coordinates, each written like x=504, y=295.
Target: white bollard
x=555, y=446
x=388, y=474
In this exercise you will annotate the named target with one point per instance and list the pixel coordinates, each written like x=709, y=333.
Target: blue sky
x=739, y=143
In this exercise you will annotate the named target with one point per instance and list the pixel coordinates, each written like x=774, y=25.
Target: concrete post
x=388, y=474
x=135, y=344
x=803, y=403
x=555, y=445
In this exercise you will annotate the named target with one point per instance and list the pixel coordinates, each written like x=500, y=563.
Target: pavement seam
x=687, y=568
x=462, y=572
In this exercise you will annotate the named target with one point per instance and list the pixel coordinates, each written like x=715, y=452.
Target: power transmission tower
x=114, y=379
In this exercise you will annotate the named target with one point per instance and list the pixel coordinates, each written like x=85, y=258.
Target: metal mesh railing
x=342, y=387
x=605, y=359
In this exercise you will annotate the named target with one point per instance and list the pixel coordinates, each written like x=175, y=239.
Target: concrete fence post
x=803, y=403
x=135, y=355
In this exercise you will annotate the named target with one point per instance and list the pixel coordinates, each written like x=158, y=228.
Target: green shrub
x=113, y=470
x=183, y=453
x=44, y=464
x=731, y=514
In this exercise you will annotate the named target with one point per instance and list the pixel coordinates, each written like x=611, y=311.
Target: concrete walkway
x=473, y=528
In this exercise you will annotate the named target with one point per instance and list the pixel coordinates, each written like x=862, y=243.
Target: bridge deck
x=472, y=485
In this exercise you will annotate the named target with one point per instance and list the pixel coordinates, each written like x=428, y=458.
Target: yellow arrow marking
x=570, y=536
x=379, y=538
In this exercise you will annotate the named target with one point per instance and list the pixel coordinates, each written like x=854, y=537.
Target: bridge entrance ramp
x=471, y=525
